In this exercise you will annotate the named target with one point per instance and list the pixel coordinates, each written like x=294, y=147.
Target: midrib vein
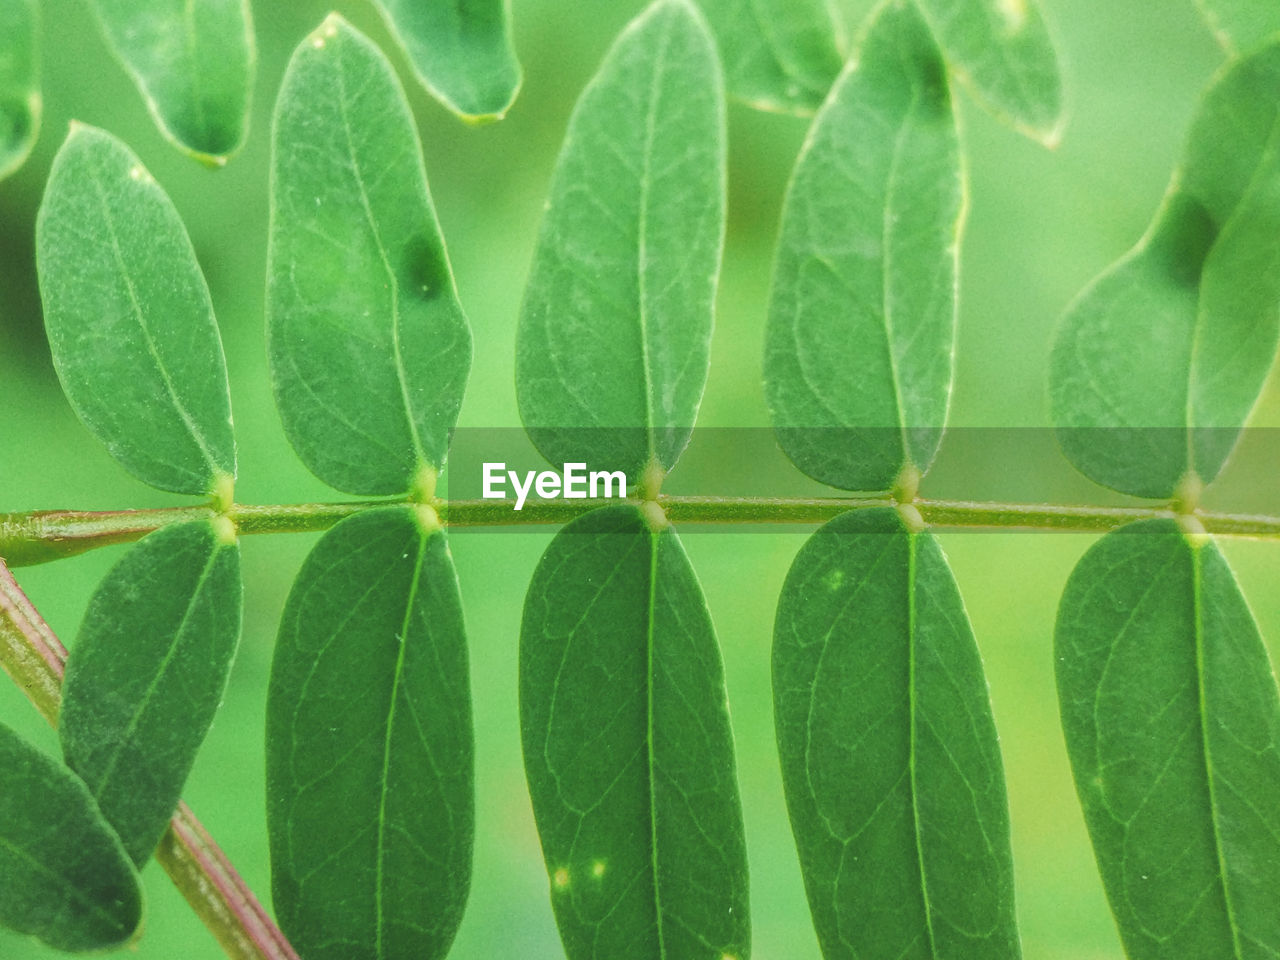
x=912, y=546
x=652, y=760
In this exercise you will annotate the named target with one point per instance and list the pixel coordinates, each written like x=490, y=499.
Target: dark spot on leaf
x=423, y=272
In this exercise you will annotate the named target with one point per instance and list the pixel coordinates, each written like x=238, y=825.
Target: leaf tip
x=327, y=30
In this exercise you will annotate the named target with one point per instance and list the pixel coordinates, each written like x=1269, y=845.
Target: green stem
x=29, y=538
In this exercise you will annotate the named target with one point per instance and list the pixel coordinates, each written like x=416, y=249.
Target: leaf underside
x=890, y=761
x=1172, y=723
x=194, y=63
x=147, y=674
x=20, y=104
x=129, y=318
x=369, y=346
x=862, y=315
x=615, y=329
x=64, y=877
x=627, y=747
x=370, y=783
x=1159, y=363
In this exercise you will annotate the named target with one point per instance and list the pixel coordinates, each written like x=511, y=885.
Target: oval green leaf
x=1158, y=364
x=461, y=52
x=1172, y=723
x=1240, y=25
x=890, y=762
x=862, y=315
x=194, y=63
x=615, y=331
x=20, y=104
x=370, y=784
x=129, y=318
x=627, y=747
x=1002, y=52
x=147, y=673
x=64, y=877
x=369, y=346
x=778, y=54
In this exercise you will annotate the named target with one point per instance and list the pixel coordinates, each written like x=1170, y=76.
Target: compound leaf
x=627, y=747
x=461, y=52
x=862, y=316
x=778, y=54
x=64, y=877
x=615, y=330
x=892, y=770
x=1159, y=362
x=147, y=674
x=369, y=346
x=1002, y=52
x=19, y=82
x=370, y=782
x=129, y=318
x=1172, y=723
x=1241, y=24
x=193, y=61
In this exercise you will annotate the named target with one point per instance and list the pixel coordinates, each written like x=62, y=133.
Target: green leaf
x=20, y=102
x=1241, y=24
x=627, y=747
x=862, y=316
x=194, y=62
x=1159, y=362
x=889, y=756
x=460, y=51
x=147, y=674
x=1172, y=723
x=1002, y=52
x=129, y=318
x=64, y=877
x=369, y=346
x=778, y=54
x=615, y=331
x=370, y=782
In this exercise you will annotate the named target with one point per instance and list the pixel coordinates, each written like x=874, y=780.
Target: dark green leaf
x=1241, y=24
x=147, y=674
x=63, y=875
x=889, y=756
x=369, y=745
x=1001, y=50
x=863, y=311
x=193, y=61
x=778, y=54
x=461, y=52
x=1172, y=724
x=19, y=83
x=369, y=347
x=1158, y=364
x=129, y=318
x=615, y=330
x=627, y=747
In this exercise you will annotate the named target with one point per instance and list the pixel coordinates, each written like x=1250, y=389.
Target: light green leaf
x=889, y=756
x=615, y=330
x=1172, y=724
x=1240, y=25
x=862, y=316
x=461, y=52
x=369, y=347
x=778, y=54
x=1002, y=52
x=64, y=877
x=1158, y=364
x=147, y=673
x=370, y=782
x=194, y=62
x=627, y=747
x=20, y=103
x=129, y=318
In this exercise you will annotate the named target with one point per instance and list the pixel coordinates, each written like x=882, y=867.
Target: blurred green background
x=1042, y=223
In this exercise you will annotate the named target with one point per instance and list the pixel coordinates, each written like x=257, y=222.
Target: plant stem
x=35, y=658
